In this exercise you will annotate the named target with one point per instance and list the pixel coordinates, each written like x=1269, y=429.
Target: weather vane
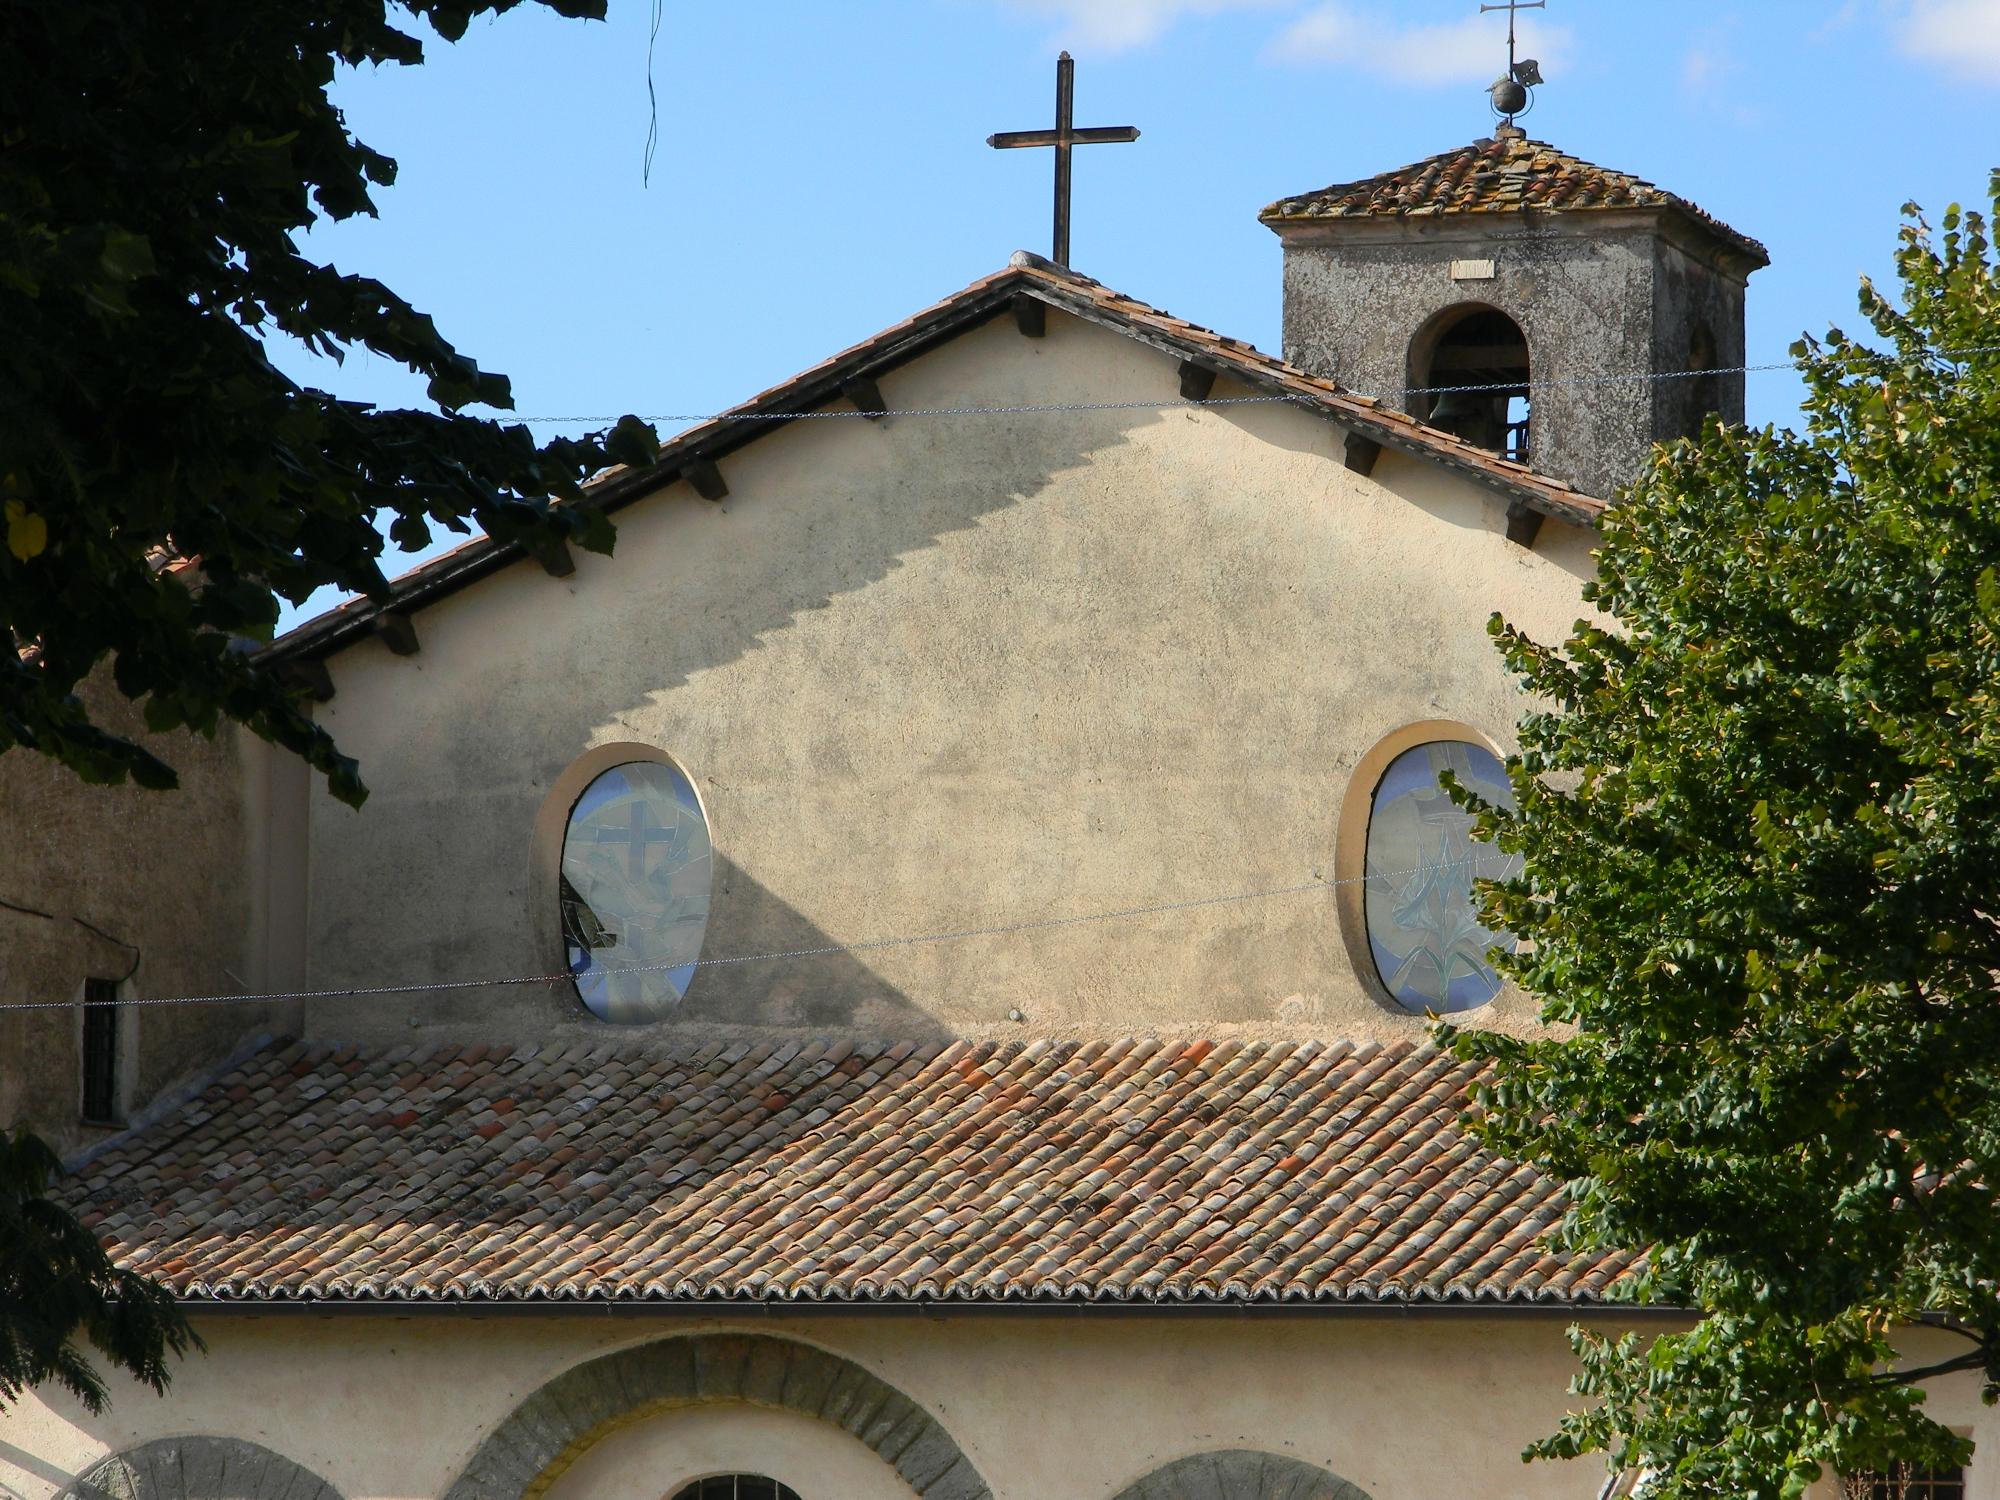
x=1509, y=93
x=1063, y=137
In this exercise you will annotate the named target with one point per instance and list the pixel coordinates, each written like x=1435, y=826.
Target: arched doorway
x=1469, y=374
x=522, y=1457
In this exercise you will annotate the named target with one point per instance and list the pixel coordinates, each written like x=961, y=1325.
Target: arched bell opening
x=1469, y=371
x=1704, y=384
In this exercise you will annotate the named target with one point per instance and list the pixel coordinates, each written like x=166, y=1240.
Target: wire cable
x=870, y=945
x=1292, y=398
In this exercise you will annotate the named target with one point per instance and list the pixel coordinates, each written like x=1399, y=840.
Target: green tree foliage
x=55, y=1282
x=157, y=165
x=1761, y=899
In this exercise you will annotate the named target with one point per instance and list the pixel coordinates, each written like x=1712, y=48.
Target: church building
x=910, y=978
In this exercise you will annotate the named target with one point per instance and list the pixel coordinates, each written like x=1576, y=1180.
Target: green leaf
x=27, y=532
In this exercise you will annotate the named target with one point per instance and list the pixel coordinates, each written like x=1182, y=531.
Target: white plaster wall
x=935, y=674
x=1408, y=1407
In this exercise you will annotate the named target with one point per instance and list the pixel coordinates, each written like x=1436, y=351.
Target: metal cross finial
x=1063, y=137
x=1510, y=93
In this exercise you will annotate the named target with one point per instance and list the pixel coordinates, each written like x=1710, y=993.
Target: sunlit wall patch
x=636, y=880
x=1424, y=934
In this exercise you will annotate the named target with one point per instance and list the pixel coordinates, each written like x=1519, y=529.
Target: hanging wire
x=1492, y=861
x=652, y=100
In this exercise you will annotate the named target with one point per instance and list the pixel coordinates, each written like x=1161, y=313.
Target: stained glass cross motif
x=642, y=832
x=636, y=868
x=1422, y=859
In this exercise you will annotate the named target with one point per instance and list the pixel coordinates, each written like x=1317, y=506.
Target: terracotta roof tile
x=1123, y=1172
x=1503, y=175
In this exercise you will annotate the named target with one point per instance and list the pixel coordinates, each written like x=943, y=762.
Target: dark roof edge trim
x=925, y=1307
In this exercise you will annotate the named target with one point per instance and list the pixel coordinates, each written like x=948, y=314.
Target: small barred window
x=1903, y=1482
x=736, y=1487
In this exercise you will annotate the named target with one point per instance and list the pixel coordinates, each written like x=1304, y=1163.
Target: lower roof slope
x=1137, y=1171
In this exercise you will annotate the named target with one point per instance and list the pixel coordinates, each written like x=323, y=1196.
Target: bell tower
x=1504, y=289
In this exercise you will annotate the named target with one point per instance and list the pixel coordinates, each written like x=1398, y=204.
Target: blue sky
x=821, y=169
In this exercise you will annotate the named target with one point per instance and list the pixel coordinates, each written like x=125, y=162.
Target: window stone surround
x=1241, y=1474
x=198, y=1467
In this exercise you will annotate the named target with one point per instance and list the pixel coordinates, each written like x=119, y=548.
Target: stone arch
x=546, y=1433
x=1241, y=1474
x=198, y=1468
x=1473, y=344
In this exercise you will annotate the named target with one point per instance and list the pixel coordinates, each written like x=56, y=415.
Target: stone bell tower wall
x=1600, y=293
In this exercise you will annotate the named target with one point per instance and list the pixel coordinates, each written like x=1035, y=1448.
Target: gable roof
x=1029, y=280
x=1137, y=1171
x=1508, y=174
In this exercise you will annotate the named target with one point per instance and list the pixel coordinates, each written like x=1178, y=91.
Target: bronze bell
x=1478, y=418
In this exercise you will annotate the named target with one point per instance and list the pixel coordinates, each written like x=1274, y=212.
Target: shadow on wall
x=428, y=880
x=803, y=532
x=835, y=991
x=817, y=988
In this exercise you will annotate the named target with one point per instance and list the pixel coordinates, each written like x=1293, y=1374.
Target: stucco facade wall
x=173, y=884
x=1075, y=1407
x=932, y=675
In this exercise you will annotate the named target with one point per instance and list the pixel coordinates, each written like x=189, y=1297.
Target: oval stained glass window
x=1423, y=930
x=635, y=890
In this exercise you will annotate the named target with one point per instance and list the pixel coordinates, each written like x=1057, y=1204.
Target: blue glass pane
x=635, y=891
x=1422, y=860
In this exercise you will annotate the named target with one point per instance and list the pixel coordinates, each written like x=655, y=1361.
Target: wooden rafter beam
x=309, y=675
x=704, y=476
x=556, y=560
x=398, y=631
x=864, y=394
x=1361, y=453
x=1524, y=524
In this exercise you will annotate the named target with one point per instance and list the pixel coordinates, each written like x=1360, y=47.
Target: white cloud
x=1472, y=50
x=1960, y=36
x=1710, y=70
x=1115, y=25
x=1702, y=67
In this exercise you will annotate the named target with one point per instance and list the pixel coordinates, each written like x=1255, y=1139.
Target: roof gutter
x=914, y=1307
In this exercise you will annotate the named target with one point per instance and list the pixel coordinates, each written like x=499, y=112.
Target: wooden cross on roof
x=1063, y=137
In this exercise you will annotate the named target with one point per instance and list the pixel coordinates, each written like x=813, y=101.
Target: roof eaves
x=1077, y=295
x=987, y=298
x=744, y=423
